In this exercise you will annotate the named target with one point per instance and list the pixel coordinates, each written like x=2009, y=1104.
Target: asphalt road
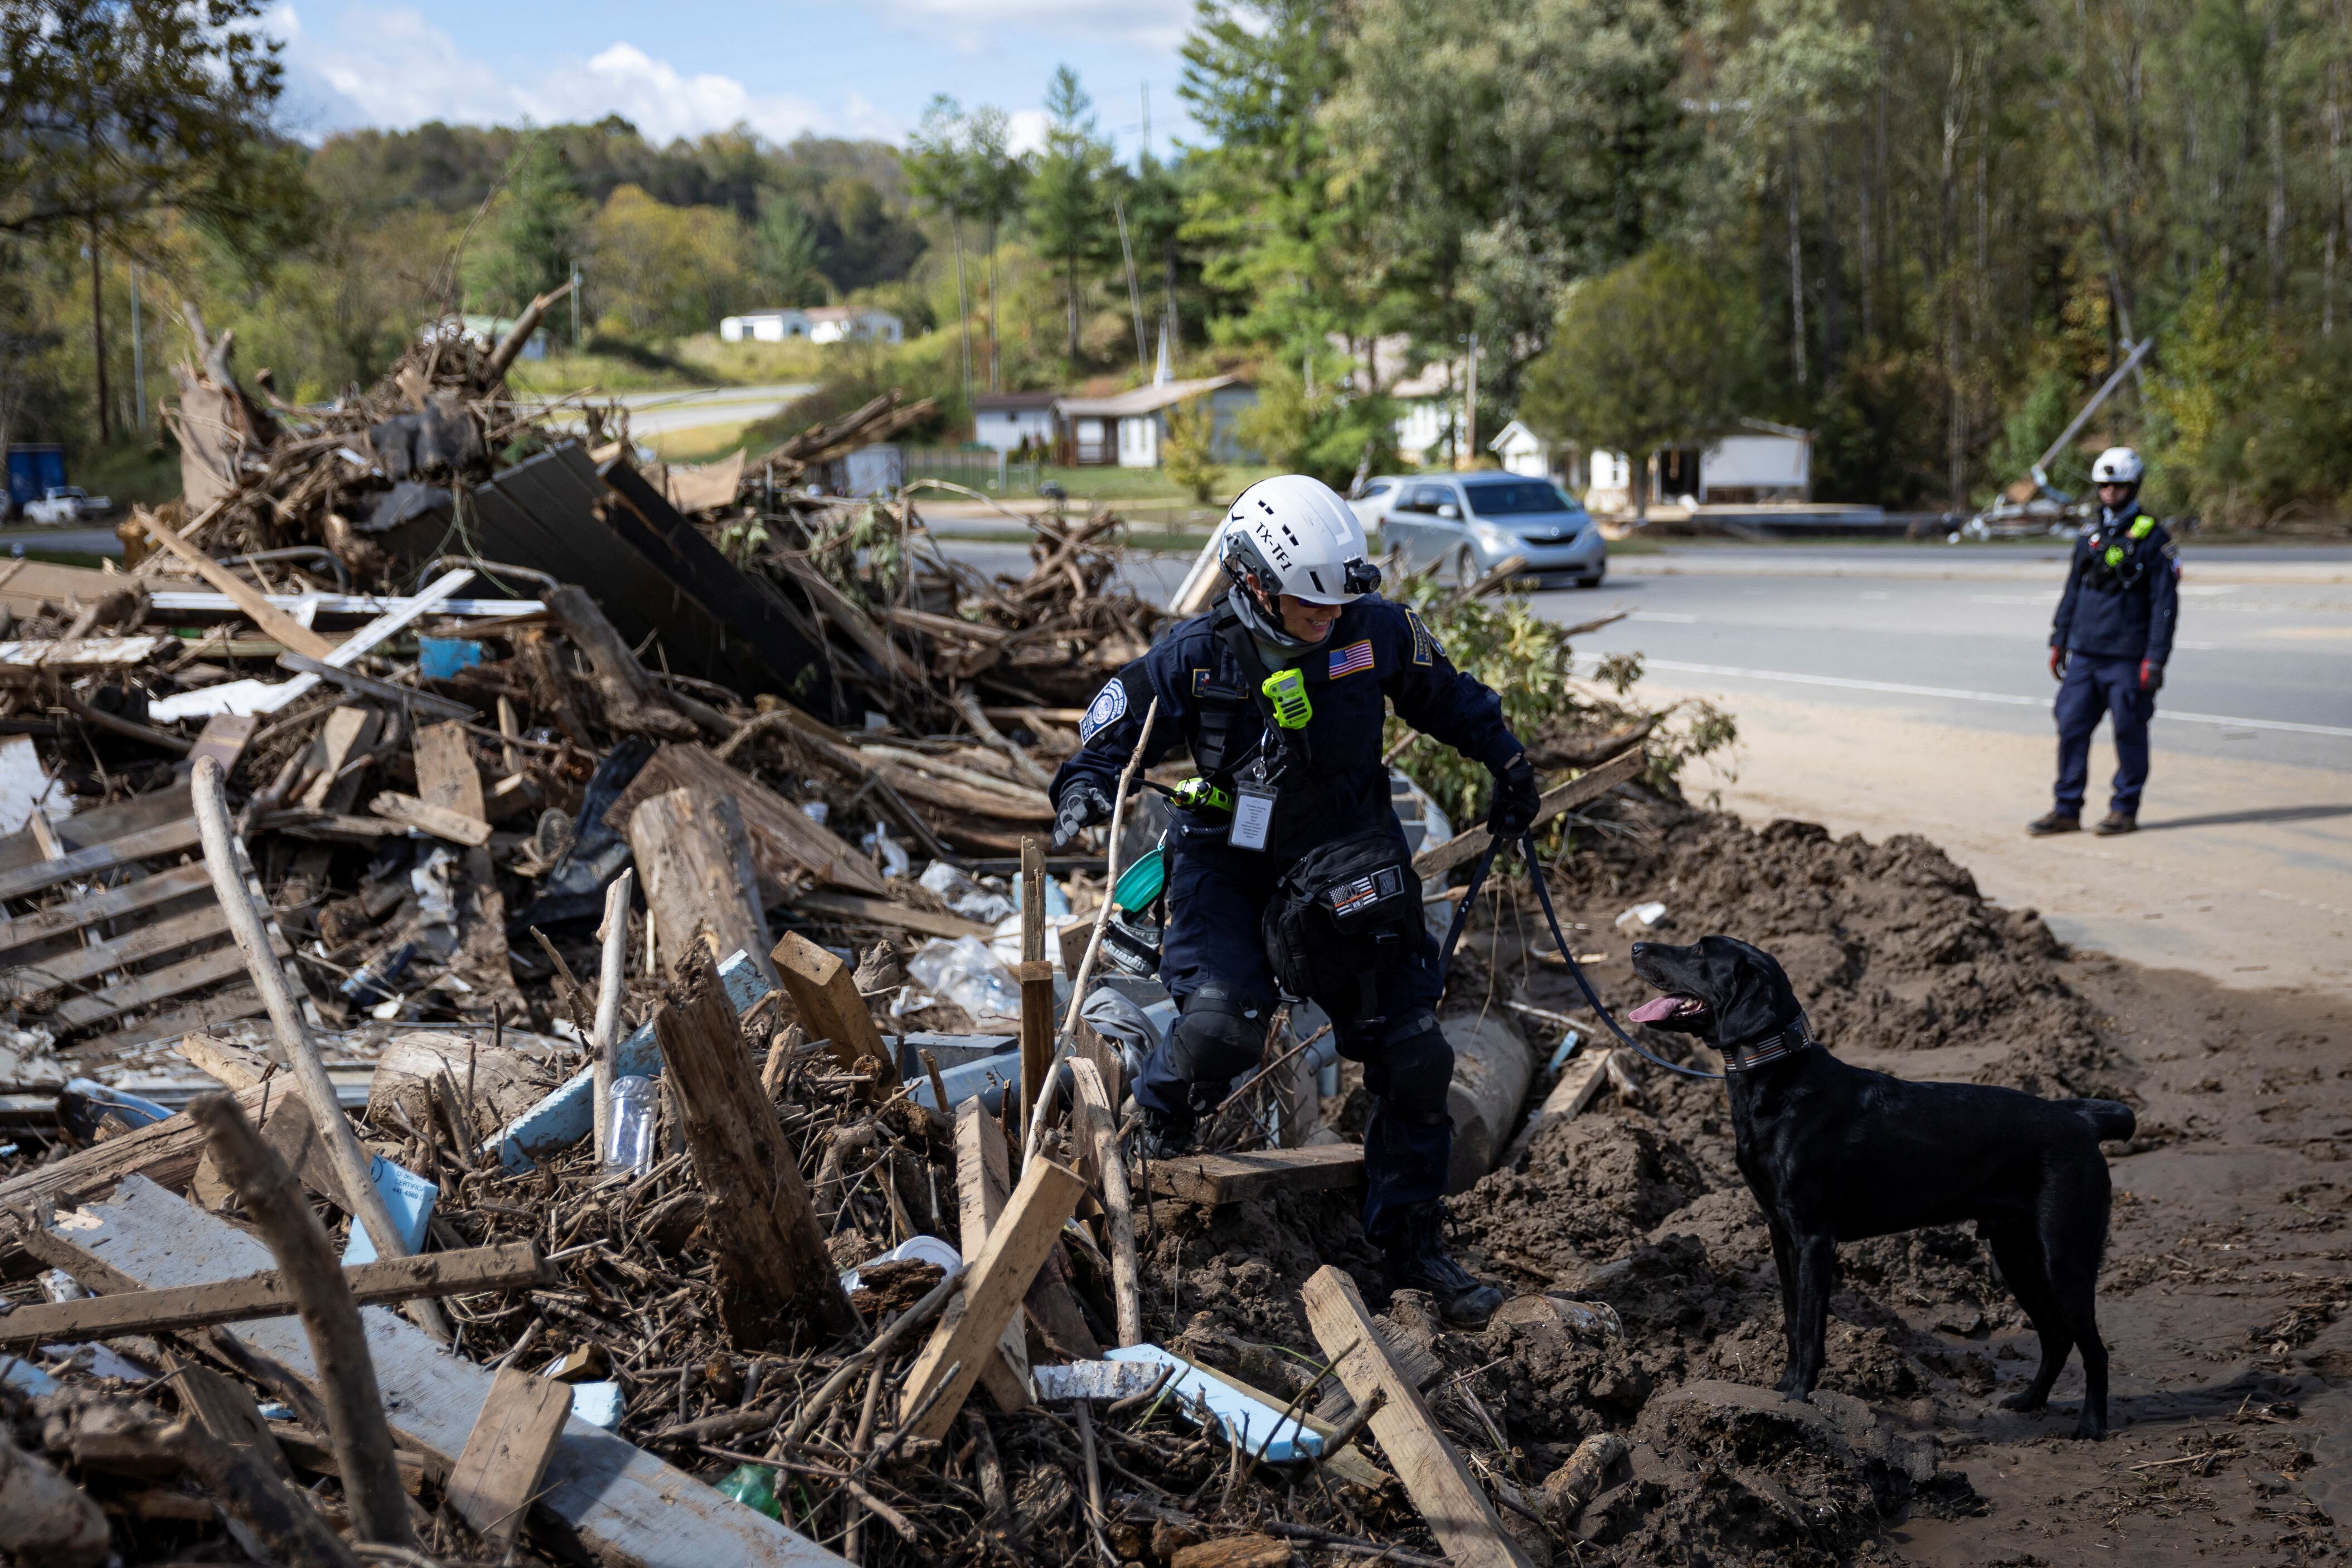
x=2261, y=669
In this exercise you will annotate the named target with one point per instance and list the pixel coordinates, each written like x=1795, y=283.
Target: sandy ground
x=2242, y=872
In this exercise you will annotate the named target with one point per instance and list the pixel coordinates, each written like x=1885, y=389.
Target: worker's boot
x=2116, y=822
x=1414, y=1258
x=2057, y=822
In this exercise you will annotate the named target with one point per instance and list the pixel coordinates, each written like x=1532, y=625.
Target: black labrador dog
x=1836, y=1152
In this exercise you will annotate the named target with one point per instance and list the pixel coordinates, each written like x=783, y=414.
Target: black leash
x=1543, y=896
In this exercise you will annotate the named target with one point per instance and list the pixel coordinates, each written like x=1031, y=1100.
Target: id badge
x=1253, y=816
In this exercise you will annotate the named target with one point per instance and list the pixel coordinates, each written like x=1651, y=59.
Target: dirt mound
x=1890, y=946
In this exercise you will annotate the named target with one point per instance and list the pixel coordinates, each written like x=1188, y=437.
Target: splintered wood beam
x=881, y=912
x=499, y=1472
x=826, y=993
x=696, y=863
x=984, y=1181
x=942, y=1379
x=774, y=1273
x=1434, y=1477
x=166, y=1151
x=506, y=1266
x=92, y=907
x=446, y=774
x=1231, y=1179
x=1588, y=785
x=76, y=866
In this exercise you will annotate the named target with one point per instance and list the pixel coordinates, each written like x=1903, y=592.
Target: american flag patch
x=1354, y=656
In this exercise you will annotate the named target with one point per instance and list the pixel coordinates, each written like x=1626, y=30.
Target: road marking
x=2007, y=699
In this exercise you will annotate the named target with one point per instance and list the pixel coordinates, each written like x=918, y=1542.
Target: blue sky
x=852, y=68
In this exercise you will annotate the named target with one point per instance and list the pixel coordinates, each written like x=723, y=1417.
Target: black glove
x=1516, y=800
x=1083, y=805
x=2151, y=676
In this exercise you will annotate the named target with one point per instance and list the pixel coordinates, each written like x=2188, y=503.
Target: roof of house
x=1007, y=402
x=1511, y=431
x=845, y=312
x=1143, y=398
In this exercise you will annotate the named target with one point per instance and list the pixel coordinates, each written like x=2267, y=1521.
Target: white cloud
x=387, y=65
x=972, y=26
x=1025, y=130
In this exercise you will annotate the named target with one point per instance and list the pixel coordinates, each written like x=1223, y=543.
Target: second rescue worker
x=1287, y=868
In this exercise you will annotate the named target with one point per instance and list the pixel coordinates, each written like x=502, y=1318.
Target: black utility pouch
x=1338, y=919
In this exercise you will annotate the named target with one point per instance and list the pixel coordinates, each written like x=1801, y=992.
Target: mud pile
x=1890, y=946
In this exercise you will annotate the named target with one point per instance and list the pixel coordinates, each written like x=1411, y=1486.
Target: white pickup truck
x=67, y=504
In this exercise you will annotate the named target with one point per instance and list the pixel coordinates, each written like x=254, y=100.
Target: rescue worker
x=2108, y=645
x=1288, y=842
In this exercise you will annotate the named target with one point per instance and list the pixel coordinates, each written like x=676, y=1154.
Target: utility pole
x=575, y=306
x=98, y=329
x=1470, y=411
x=1134, y=295
x=138, y=359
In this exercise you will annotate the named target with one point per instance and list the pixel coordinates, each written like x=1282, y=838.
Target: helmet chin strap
x=1265, y=625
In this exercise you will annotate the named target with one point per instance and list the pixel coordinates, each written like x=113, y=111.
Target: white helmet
x=2118, y=466
x=1292, y=534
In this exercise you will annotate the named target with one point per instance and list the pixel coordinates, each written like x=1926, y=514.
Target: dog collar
x=1772, y=1048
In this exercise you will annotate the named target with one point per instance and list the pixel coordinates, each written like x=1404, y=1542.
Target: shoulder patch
x=1424, y=643
x=1347, y=660
x=1108, y=708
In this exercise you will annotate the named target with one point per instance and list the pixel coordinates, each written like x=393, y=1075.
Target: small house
x=1754, y=461
x=1129, y=428
x=1005, y=421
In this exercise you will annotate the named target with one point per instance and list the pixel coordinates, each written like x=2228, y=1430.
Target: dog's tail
x=2113, y=1118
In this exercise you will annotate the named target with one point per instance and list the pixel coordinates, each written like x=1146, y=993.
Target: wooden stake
x=275, y=624
x=1036, y=982
x=943, y=1377
x=240, y=898
x=773, y=1268
x=826, y=993
x=306, y=1261
x=613, y=986
x=1098, y=1125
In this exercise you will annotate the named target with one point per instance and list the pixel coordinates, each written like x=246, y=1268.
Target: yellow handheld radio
x=1287, y=692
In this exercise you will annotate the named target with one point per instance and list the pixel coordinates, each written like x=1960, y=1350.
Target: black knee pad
x=1220, y=1035
x=1411, y=1074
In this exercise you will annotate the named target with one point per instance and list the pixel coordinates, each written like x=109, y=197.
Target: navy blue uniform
x=1377, y=652
x=2121, y=603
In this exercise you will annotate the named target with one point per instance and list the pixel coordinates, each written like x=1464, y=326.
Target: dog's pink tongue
x=1657, y=1010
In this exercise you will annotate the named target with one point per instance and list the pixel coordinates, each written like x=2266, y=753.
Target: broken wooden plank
x=1434, y=1477
x=695, y=860
x=172, y=980
x=1094, y=1125
x=983, y=1179
x=150, y=941
x=79, y=864
x=1232, y=1178
x=223, y=738
x=446, y=777
x=107, y=903
x=1349, y=1464
x=426, y=704
x=229, y=1413
x=497, y=1473
x=219, y=1007
x=823, y=990
x=774, y=1273
x=895, y=917
x=506, y=1266
x=942, y=1379
x=787, y=844
x=438, y=821
x=1588, y=785
x=347, y=731
x=611, y=1500
x=273, y=622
